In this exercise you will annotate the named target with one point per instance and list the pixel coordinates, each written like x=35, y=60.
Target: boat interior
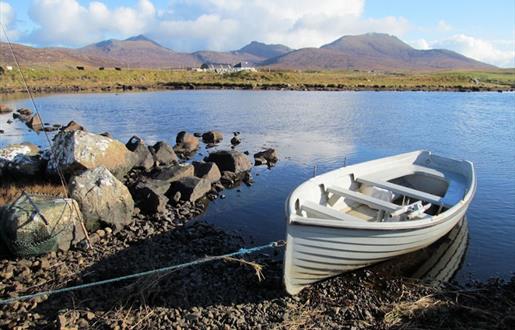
x=389, y=192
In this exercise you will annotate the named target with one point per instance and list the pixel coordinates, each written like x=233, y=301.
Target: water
x=325, y=129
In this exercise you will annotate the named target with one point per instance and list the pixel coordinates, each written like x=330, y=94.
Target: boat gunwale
x=294, y=219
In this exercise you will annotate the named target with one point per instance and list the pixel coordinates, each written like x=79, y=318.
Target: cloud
x=67, y=22
x=188, y=25
x=273, y=21
x=498, y=52
x=8, y=22
x=443, y=26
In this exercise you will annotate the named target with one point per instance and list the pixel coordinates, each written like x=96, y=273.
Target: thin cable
x=241, y=251
x=59, y=172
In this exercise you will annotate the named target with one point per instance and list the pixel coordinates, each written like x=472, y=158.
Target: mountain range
x=371, y=51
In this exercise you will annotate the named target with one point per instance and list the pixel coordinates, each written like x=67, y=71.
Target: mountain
x=265, y=51
x=373, y=51
x=138, y=51
x=55, y=57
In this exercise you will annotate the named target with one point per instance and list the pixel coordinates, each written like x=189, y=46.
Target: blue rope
x=240, y=252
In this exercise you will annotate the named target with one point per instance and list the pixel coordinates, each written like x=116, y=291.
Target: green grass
x=68, y=79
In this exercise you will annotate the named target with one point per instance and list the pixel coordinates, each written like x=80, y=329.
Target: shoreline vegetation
x=41, y=80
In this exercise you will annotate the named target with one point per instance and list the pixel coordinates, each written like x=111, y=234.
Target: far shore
x=41, y=80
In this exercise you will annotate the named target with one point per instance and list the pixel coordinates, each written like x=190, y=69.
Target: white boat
x=366, y=213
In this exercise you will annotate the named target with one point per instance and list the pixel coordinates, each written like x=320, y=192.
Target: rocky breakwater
x=117, y=194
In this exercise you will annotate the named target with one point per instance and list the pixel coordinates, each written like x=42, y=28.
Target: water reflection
x=326, y=129
x=436, y=263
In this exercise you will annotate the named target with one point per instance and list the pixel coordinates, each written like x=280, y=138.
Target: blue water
x=326, y=129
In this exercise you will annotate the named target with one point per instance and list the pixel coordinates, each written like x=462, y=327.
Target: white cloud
x=189, y=25
x=443, y=26
x=8, y=22
x=499, y=52
x=67, y=22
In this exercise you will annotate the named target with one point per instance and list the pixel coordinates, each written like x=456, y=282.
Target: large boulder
x=26, y=232
x=102, y=198
x=186, y=143
x=208, y=171
x=143, y=156
x=150, y=196
x=5, y=109
x=21, y=159
x=76, y=151
x=212, y=137
x=163, y=154
x=266, y=157
x=190, y=188
x=35, y=123
x=23, y=115
x=73, y=126
x=172, y=173
x=230, y=160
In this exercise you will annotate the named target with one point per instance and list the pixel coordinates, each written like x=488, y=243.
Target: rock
x=143, y=156
x=172, y=173
x=21, y=159
x=24, y=112
x=107, y=134
x=102, y=198
x=9, y=121
x=212, y=137
x=266, y=157
x=186, y=142
x=5, y=109
x=163, y=154
x=76, y=151
x=25, y=232
x=208, y=171
x=230, y=160
x=190, y=187
x=229, y=178
x=235, y=140
x=73, y=126
x=149, y=196
x=35, y=123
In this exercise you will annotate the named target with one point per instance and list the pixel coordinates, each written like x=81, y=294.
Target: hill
x=374, y=51
x=265, y=51
x=139, y=52
x=371, y=51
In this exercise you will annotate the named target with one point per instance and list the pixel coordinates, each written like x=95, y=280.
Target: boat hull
x=317, y=252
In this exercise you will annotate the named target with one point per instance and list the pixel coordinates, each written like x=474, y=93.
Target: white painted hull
x=320, y=248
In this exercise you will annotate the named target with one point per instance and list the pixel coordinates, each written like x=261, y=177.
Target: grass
x=45, y=79
x=10, y=191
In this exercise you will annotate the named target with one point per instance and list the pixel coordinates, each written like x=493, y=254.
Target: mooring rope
x=240, y=252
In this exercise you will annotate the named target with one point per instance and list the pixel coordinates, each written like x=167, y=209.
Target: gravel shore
x=226, y=294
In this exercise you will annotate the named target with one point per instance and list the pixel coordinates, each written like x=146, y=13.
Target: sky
x=483, y=30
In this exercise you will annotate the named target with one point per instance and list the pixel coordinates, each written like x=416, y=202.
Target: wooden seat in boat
x=326, y=212
x=364, y=199
x=398, y=189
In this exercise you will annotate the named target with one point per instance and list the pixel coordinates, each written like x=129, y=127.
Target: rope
x=240, y=252
x=59, y=171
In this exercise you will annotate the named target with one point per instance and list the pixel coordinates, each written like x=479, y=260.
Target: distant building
x=242, y=65
x=226, y=68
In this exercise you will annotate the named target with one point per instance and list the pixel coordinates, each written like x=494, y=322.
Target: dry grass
x=407, y=310
x=10, y=191
x=54, y=79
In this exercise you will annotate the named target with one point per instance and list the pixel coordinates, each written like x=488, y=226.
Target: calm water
x=325, y=129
